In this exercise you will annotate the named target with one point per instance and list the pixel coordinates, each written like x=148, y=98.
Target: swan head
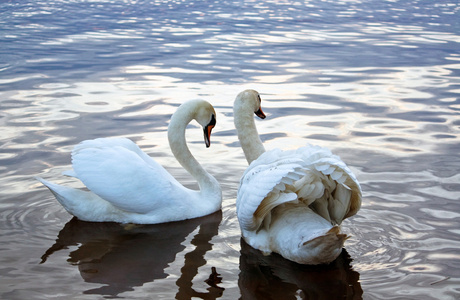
x=205, y=115
x=250, y=99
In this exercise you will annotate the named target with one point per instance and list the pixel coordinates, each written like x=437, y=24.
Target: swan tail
x=70, y=173
x=322, y=249
x=79, y=203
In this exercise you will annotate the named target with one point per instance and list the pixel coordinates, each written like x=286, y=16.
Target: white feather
x=291, y=202
x=126, y=185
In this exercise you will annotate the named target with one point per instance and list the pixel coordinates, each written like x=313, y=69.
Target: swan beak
x=207, y=131
x=207, y=135
x=260, y=113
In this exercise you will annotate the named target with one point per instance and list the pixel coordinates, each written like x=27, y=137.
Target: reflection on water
x=378, y=82
x=119, y=258
x=273, y=277
x=122, y=257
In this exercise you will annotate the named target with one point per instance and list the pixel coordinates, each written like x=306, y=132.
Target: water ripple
x=375, y=81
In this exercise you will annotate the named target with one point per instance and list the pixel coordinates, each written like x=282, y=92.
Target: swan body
x=292, y=202
x=126, y=185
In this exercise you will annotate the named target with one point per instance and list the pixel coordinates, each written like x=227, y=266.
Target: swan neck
x=177, y=142
x=247, y=132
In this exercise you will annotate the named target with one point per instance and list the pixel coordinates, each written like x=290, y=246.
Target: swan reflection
x=273, y=277
x=124, y=256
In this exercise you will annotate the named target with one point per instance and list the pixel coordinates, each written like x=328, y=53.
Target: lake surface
x=378, y=82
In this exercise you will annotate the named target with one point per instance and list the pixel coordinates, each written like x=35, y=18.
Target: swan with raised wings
x=128, y=186
x=291, y=202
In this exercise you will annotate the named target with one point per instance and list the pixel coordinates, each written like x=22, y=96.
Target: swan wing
x=333, y=187
x=111, y=143
x=117, y=142
x=120, y=173
x=311, y=174
x=263, y=186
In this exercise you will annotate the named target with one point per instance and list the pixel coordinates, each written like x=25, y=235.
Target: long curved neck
x=243, y=117
x=177, y=143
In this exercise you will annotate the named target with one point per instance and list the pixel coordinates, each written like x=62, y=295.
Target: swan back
x=292, y=203
x=311, y=175
x=123, y=175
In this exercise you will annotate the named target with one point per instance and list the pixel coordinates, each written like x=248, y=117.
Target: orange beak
x=207, y=135
x=260, y=113
x=207, y=131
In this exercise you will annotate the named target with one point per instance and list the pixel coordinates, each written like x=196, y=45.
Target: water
x=378, y=82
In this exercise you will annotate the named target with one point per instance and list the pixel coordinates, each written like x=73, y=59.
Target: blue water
x=378, y=82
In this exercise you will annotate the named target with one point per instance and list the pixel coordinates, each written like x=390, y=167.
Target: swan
x=291, y=202
x=127, y=186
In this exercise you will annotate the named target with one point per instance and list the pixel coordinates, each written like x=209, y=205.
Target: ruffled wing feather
x=311, y=174
x=263, y=187
x=343, y=192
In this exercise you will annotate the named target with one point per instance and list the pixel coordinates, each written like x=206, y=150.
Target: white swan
x=291, y=202
x=127, y=186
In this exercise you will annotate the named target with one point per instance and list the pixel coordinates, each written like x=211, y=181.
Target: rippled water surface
x=378, y=82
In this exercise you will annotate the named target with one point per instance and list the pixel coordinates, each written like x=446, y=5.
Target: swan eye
x=258, y=97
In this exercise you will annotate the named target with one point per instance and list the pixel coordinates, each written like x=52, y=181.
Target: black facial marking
x=213, y=121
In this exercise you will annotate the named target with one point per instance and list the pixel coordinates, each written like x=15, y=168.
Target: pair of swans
x=289, y=202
